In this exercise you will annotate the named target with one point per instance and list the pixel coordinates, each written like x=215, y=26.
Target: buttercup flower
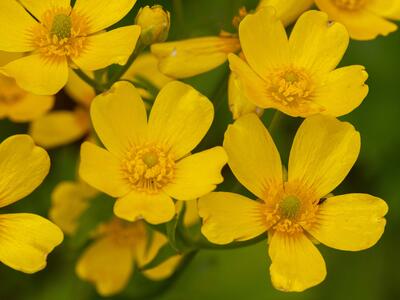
x=289, y=10
x=296, y=211
x=148, y=162
x=364, y=19
x=17, y=104
x=56, y=36
x=297, y=75
x=25, y=239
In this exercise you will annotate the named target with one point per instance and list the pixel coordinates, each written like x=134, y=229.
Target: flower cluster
x=148, y=143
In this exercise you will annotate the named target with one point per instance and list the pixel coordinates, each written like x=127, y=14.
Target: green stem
x=95, y=85
x=276, y=118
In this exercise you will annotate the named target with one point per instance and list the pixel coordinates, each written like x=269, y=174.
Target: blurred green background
x=243, y=273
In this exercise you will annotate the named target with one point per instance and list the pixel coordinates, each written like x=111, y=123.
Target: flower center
x=10, y=92
x=148, y=168
x=350, y=4
x=289, y=207
x=60, y=34
x=290, y=87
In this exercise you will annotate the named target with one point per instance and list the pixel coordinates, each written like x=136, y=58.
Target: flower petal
x=107, y=264
x=296, y=263
x=289, y=10
x=81, y=92
x=350, y=222
x=163, y=270
x=98, y=54
x=323, y=152
x=154, y=208
x=38, y=8
x=180, y=118
x=38, y=74
x=252, y=155
x=195, y=56
x=26, y=240
x=388, y=9
x=229, y=217
x=100, y=169
x=343, y=90
x=361, y=24
x=197, y=174
x=119, y=118
x=101, y=14
x=317, y=44
x=256, y=32
x=15, y=26
x=23, y=166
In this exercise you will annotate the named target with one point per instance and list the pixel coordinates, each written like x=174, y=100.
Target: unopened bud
x=155, y=23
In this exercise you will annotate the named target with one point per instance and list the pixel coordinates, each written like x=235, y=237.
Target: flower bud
x=155, y=23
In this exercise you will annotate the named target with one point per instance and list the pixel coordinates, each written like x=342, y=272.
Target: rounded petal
x=317, y=44
x=361, y=24
x=296, y=263
x=252, y=155
x=154, y=208
x=256, y=32
x=101, y=14
x=59, y=128
x=187, y=58
x=38, y=8
x=6, y=57
x=229, y=217
x=163, y=270
x=350, y=222
x=26, y=240
x=343, y=90
x=98, y=54
x=289, y=10
x=100, y=169
x=107, y=264
x=30, y=108
x=37, y=74
x=180, y=118
x=15, y=26
x=23, y=166
x=119, y=118
x=323, y=152
x=388, y=8
x=197, y=174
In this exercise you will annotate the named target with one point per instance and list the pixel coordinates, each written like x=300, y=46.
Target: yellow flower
x=56, y=36
x=25, y=239
x=17, y=104
x=149, y=162
x=289, y=10
x=364, y=19
x=297, y=75
x=298, y=210
x=155, y=23
x=109, y=261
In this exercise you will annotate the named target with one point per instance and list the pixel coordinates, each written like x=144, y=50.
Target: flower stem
x=95, y=85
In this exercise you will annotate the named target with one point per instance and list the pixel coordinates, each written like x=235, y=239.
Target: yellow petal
x=6, y=57
x=296, y=263
x=180, y=118
x=59, y=128
x=388, y=8
x=119, y=118
x=23, y=166
x=239, y=105
x=79, y=90
x=229, y=217
x=256, y=32
x=26, y=240
x=318, y=45
x=197, y=174
x=154, y=208
x=38, y=8
x=146, y=66
x=15, y=26
x=361, y=24
x=165, y=269
x=101, y=14
x=350, y=222
x=68, y=201
x=343, y=90
x=252, y=155
x=107, y=264
x=191, y=57
x=37, y=74
x=98, y=54
x=289, y=10
x=101, y=169
x=191, y=216
x=323, y=152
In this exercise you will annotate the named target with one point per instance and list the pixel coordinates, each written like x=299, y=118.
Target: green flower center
x=150, y=159
x=289, y=207
x=61, y=26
